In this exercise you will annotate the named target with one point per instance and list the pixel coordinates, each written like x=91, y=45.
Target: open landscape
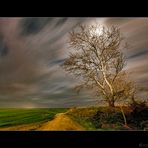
x=78, y=74
x=91, y=118
x=26, y=119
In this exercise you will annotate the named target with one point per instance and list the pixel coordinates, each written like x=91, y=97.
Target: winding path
x=61, y=122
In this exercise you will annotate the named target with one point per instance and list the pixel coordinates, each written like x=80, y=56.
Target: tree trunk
x=111, y=103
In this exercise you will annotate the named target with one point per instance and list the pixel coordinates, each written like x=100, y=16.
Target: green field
x=13, y=117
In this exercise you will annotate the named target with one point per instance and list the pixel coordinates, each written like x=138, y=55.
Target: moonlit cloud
x=31, y=50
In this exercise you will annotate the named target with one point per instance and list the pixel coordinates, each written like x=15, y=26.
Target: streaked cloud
x=31, y=50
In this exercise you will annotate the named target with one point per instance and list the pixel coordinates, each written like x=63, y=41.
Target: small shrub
x=101, y=118
x=138, y=116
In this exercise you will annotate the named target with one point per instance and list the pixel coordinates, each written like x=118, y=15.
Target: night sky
x=32, y=49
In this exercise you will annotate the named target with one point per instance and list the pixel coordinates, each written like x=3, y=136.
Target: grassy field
x=91, y=118
x=82, y=116
x=14, y=117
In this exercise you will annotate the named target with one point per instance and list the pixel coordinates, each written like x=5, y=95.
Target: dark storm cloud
x=140, y=53
x=3, y=47
x=34, y=25
x=30, y=67
x=31, y=50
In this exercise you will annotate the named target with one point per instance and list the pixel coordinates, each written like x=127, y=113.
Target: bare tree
x=98, y=61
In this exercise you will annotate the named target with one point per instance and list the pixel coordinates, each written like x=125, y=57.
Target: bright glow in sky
x=31, y=50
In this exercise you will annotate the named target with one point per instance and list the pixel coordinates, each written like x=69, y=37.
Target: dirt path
x=61, y=122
